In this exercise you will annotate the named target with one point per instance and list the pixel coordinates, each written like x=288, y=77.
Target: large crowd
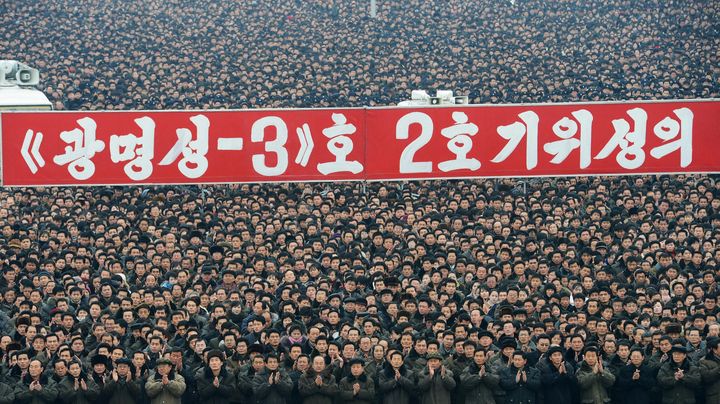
x=550, y=291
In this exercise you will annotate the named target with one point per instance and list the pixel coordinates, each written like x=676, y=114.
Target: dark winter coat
x=435, y=389
x=557, y=388
x=207, y=391
x=395, y=391
x=679, y=391
x=635, y=391
x=23, y=394
x=7, y=394
x=314, y=394
x=366, y=395
x=479, y=389
x=67, y=393
x=522, y=392
x=276, y=393
x=124, y=392
x=710, y=373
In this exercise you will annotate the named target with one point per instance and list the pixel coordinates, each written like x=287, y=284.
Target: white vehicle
x=17, y=92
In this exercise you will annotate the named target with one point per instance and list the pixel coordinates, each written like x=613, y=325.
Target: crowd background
x=567, y=290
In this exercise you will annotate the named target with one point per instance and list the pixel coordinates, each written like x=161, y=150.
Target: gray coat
x=710, y=373
x=165, y=394
x=314, y=394
x=594, y=387
x=68, y=394
x=395, y=391
x=47, y=395
x=276, y=393
x=124, y=392
x=366, y=395
x=479, y=389
x=435, y=389
x=524, y=391
x=679, y=391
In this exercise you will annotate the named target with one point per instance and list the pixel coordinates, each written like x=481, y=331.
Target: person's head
x=555, y=355
x=396, y=360
x=519, y=359
x=258, y=363
x=123, y=367
x=318, y=364
x=35, y=368
x=434, y=362
x=637, y=357
x=480, y=357
x=215, y=361
x=591, y=356
x=75, y=369
x=356, y=368
x=679, y=354
x=272, y=363
x=164, y=367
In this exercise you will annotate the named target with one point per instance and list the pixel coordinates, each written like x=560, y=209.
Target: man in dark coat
x=317, y=385
x=123, y=387
x=77, y=387
x=520, y=382
x=272, y=385
x=435, y=383
x=479, y=380
x=635, y=380
x=358, y=387
x=679, y=378
x=215, y=384
x=397, y=381
x=710, y=371
x=34, y=387
x=558, y=378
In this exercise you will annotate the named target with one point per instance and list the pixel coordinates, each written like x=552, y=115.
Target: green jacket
x=679, y=391
x=594, y=387
x=165, y=394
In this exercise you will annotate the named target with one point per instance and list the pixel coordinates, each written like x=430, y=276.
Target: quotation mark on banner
x=306, y=145
x=29, y=152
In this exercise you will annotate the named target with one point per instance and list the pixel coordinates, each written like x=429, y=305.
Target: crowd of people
x=550, y=291
x=190, y=54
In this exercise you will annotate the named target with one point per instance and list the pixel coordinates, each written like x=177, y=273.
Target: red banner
x=181, y=147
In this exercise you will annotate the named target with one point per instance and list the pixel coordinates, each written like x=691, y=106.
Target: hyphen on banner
x=186, y=147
